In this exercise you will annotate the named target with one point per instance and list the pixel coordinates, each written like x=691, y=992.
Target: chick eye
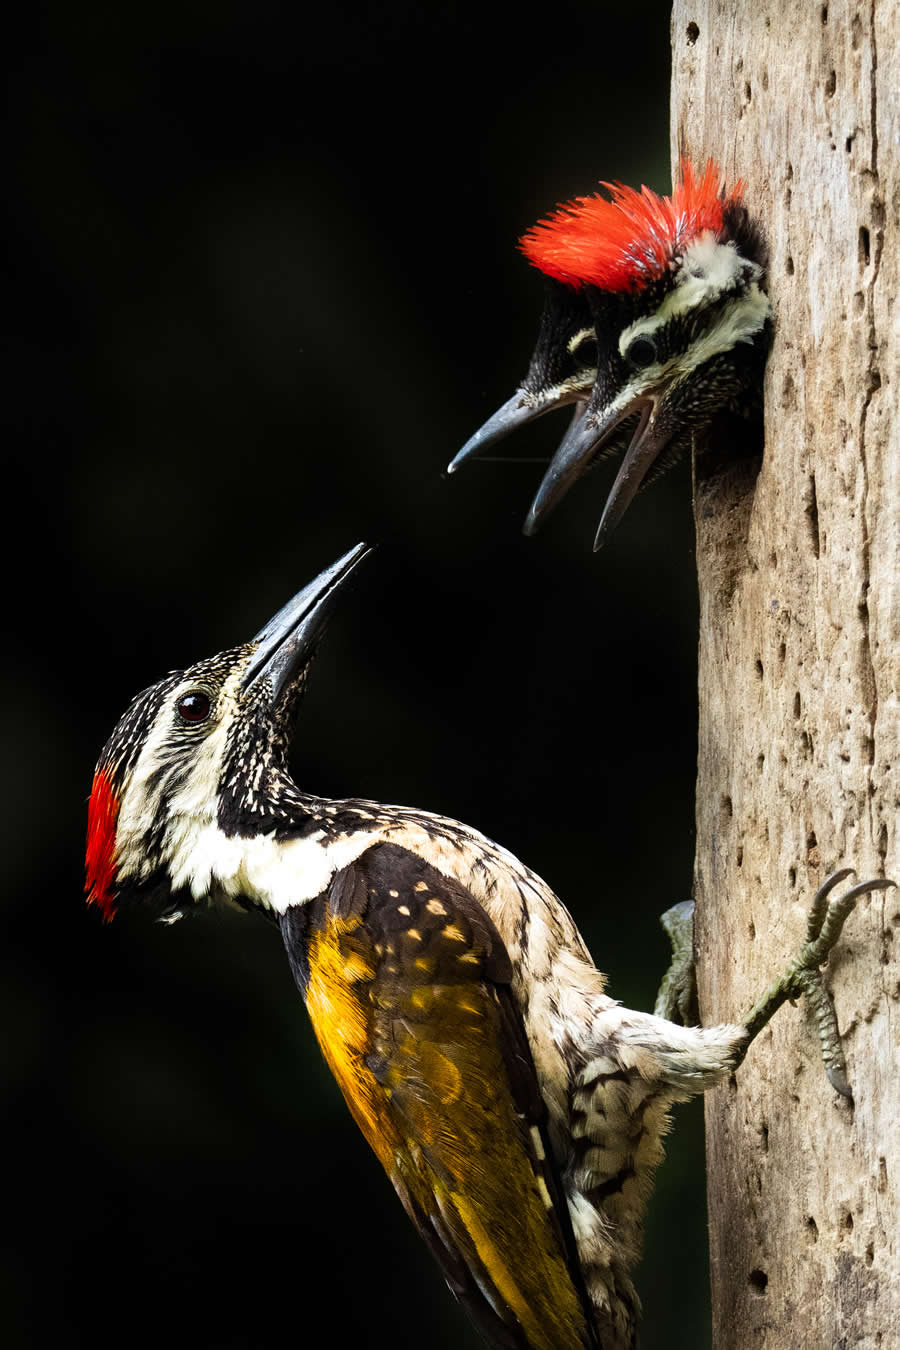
x=193, y=707
x=641, y=352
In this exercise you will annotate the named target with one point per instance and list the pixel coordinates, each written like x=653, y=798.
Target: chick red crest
x=630, y=239
x=100, y=872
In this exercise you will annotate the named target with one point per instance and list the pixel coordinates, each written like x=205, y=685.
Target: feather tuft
x=632, y=238
x=100, y=871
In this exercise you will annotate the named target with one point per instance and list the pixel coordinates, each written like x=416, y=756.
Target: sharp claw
x=818, y=908
x=864, y=887
x=839, y=1081
x=829, y=883
x=833, y=918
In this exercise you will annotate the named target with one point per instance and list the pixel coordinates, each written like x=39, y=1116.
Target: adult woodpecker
x=654, y=321
x=517, y=1109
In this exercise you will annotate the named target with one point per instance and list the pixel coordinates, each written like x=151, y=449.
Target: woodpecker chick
x=680, y=323
x=517, y=1109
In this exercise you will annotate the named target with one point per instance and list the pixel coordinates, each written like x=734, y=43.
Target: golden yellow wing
x=407, y=984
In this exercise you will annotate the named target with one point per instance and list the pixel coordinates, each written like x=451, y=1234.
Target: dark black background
x=263, y=284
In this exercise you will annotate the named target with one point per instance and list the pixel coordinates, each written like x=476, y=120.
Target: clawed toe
x=827, y=917
x=804, y=979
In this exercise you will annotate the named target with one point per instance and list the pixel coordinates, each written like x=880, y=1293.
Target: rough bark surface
x=799, y=574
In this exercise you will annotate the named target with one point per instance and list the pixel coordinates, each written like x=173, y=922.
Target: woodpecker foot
x=677, y=997
x=804, y=978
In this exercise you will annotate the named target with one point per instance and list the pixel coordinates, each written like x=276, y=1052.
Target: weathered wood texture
x=799, y=573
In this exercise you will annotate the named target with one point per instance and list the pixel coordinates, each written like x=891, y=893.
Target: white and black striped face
x=714, y=306
x=669, y=358
x=198, y=762
x=192, y=751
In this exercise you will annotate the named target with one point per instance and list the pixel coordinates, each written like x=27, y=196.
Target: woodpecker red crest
x=654, y=321
x=631, y=239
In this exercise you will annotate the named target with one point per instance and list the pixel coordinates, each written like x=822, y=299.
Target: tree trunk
x=799, y=574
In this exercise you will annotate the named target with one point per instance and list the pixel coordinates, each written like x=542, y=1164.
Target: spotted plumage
x=664, y=296
x=517, y=1109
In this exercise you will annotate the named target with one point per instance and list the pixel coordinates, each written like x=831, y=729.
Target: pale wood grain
x=799, y=575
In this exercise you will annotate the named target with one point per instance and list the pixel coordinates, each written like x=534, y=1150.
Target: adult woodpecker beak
x=586, y=437
x=523, y=407
x=288, y=640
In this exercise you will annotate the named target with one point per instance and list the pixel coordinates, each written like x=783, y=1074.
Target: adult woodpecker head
x=197, y=764
x=681, y=326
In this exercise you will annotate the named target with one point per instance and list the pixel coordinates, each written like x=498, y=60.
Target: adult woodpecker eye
x=193, y=707
x=641, y=352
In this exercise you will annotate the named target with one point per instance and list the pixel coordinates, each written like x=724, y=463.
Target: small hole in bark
x=758, y=1281
x=811, y=841
x=727, y=808
x=870, y=1253
x=824, y=13
x=830, y=84
x=847, y=1222
x=692, y=32
x=748, y=92
x=764, y=1137
x=759, y=668
x=811, y=511
x=848, y=143
x=792, y=876
x=797, y=704
x=751, y=931
x=782, y=651
x=760, y=762
x=789, y=266
x=865, y=246
x=812, y=1229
